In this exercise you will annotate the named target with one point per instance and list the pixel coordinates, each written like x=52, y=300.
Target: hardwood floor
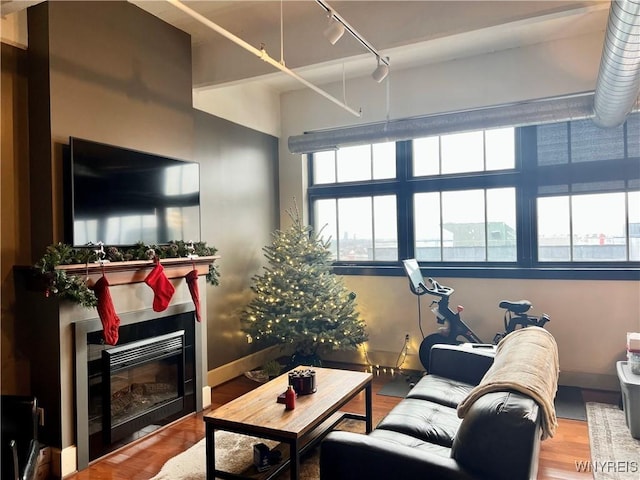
x=143, y=459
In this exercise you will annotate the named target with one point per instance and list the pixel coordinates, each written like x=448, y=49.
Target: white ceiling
x=410, y=33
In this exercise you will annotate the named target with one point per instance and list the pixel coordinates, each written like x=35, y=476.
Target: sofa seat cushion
x=440, y=390
x=424, y=420
x=398, y=438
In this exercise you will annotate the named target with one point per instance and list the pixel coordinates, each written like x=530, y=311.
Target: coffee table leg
x=294, y=456
x=210, y=452
x=368, y=407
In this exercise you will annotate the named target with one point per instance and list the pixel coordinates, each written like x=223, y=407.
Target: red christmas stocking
x=108, y=316
x=192, y=282
x=162, y=288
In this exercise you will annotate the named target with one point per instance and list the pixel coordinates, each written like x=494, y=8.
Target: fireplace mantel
x=121, y=273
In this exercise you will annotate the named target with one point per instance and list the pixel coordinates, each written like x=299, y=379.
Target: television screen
x=121, y=196
x=415, y=276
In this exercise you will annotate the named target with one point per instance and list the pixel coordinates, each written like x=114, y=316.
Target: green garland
x=75, y=289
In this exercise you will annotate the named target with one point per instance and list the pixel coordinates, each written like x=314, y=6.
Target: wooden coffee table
x=258, y=414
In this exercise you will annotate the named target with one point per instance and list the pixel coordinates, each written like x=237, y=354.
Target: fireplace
x=135, y=385
x=63, y=338
x=126, y=391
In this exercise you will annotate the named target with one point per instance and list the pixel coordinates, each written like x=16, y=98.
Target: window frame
x=526, y=178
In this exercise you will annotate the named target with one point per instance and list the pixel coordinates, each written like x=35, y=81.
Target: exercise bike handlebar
x=437, y=289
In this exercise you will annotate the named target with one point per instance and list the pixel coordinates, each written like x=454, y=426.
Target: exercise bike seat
x=520, y=306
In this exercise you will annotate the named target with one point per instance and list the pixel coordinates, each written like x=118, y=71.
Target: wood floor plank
x=143, y=459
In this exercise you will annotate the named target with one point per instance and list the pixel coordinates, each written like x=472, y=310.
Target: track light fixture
x=334, y=31
x=337, y=27
x=381, y=71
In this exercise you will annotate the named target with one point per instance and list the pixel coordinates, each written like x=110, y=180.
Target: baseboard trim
x=234, y=369
x=206, y=397
x=381, y=358
x=64, y=461
x=592, y=381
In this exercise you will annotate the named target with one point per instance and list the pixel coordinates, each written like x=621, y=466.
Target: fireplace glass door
x=141, y=381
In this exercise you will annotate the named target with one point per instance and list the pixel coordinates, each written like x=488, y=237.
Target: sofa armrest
x=464, y=363
x=499, y=437
x=348, y=455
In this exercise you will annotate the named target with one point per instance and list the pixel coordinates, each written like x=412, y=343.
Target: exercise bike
x=454, y=330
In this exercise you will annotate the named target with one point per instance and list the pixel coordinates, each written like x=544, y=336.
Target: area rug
x=615, y=454
x=234, y=453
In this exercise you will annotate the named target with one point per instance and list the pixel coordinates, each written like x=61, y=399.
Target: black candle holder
x=303, y=381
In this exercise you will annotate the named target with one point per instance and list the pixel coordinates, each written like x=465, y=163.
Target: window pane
x=599, y=230
x=355, y=227
x=462, y=152
x=426, y=156
x=554, y=229
x=324, y=167
x=634, y=225
x=426, y=208
x=501, y=225
x=354, y=163
x=500, y=148
x=384, y=160
x=324, y=216
x=385, y=227
x=463, y=219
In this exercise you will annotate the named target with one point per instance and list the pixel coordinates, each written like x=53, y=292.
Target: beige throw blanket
x=527, y=362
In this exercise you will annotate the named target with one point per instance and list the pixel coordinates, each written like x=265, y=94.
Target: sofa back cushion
x=499, y=437
x=440, y=390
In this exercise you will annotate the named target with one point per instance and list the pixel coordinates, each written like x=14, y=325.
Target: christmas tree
x=299, y=300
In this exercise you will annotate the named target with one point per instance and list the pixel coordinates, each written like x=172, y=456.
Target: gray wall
x=239, y=191
x=112, y=73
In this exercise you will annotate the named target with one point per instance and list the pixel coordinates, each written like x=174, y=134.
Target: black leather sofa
x=422, y=437
x=20, y=447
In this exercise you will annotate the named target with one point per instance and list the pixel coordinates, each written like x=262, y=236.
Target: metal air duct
x=618, y=84
x=575, y=107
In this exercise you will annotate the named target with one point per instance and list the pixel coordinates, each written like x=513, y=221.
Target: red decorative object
x=108, y=317
x=162, y=288
x=290, y=398
x=192, y=282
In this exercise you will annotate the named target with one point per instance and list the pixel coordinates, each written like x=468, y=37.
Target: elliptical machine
x=454, y=331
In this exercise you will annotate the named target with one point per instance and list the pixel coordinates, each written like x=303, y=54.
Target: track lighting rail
x=333, y=14
x=262, y=54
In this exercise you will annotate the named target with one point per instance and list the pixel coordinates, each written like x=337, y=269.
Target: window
x=588, y=228
x=464, y=152
x=352, y=164
x=556, y=197
x=359, y=228
x=466, y=225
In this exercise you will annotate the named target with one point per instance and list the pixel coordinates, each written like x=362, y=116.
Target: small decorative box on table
x=303, y=381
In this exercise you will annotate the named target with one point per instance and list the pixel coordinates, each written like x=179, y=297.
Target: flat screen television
x=120, y=197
